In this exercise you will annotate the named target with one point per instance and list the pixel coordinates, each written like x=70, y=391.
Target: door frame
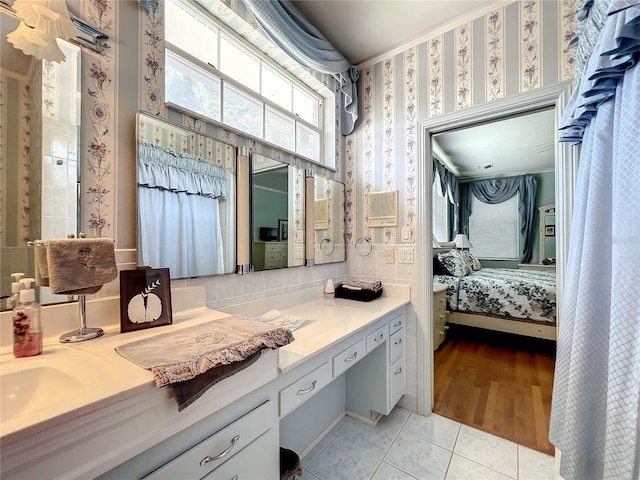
x=566, y=166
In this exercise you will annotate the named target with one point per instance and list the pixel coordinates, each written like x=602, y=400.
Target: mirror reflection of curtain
x=179, y=222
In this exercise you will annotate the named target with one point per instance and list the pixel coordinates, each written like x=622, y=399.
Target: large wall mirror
x=277, y=214
x=329, y=221
x=39, y=154
x=186, y=200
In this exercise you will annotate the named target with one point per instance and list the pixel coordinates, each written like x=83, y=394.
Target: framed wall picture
x=145, y=298
x=283, y=230
x=550, y=231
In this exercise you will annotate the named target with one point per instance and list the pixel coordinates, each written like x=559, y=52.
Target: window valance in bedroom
x=498, y=191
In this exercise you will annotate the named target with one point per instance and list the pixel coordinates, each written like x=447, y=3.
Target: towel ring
x=361, y=250
x=331, y=246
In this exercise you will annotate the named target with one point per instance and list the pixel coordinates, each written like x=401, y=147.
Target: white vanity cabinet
x=208, y=455
x=376, y=385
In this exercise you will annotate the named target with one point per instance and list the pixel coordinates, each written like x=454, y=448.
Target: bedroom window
x=494, y=230
x=440, y=212
x=225, y=79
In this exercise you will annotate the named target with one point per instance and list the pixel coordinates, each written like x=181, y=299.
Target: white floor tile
x=307, y=476
x=375, y=440
x=389, y=472
x=315, y=451
x=462, y=468
x=533, y=465
x=338, y=426
x=398, y=416
x=488, y=450
x=434, y=428
x=342, y=460
x=418, y=457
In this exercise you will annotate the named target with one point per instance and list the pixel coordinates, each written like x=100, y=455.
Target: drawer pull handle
x=351, y=358
x=399, y=324
x=380, y=337
x=398, y=342
x=208, y=459
x=235, y=477
x=399, y=371
x=307, y=390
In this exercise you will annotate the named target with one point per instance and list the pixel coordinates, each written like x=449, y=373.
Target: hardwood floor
x=496, y=382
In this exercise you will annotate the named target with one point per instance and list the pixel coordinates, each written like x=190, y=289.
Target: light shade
x=462, y=241
x=43, y=22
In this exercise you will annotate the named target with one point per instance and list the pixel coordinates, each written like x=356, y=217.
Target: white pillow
x=455, y=263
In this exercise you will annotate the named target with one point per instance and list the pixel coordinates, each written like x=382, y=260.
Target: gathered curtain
x=178, y=212
x=293, y=33
x=451, y=188
x=595, y=411
x=498, y=191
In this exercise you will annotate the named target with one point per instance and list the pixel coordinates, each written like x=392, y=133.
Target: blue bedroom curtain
x=595, y=409
x=178, y=198
x=498, y=191
x=451, y=188
x=293, y=33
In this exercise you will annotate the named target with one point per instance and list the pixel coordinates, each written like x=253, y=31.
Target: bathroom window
x=224, y=78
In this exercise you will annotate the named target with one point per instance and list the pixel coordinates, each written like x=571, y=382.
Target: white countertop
x=121, y=382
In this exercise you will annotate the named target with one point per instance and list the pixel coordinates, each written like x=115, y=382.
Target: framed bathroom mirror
x=186, y=200
x=277, y=214
x=40, y=130
x=329, y=221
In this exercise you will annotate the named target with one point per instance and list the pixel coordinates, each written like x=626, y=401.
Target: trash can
x=289, y=464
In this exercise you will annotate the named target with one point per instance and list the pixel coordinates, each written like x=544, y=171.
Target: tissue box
x=362, y=294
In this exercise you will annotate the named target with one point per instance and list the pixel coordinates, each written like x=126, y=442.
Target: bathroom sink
x=59, y=374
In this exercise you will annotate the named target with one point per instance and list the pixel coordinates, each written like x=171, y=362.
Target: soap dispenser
x=16, y=287
x=27, y=330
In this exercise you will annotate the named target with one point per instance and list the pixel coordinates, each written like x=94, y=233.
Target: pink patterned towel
x=183, y=354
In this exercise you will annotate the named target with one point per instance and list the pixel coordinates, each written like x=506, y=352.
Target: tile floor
x=407, y=446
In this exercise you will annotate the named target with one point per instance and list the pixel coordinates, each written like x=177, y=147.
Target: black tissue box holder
x=363, y=295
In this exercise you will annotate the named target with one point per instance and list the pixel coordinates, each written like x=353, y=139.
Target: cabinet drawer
x=377, y=338
x=219, y=447
x=396, y=323
x=349, y=357
x=261, y=459
x=304, y=388
x=396, y=345
x=396, y=374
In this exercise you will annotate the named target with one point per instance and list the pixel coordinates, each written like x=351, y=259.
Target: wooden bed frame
x=519, y=327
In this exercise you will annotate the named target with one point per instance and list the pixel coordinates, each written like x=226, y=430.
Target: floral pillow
x=455, y=263
x=473, y=262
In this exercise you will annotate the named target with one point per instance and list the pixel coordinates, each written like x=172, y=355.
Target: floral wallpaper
x=411, y=140
x=435, y=76
x=530, y=46
x=568, y=26
x=99, y=120
x=494, y=31
x=463, y=66
x=152, y=51
x=389, y=137
x=368, y=148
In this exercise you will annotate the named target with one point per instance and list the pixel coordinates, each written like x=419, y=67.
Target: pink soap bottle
x=27, y=329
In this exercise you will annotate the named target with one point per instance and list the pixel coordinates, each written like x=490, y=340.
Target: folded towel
x=278, y=319
x=42, y=269
x=357, y=285
x=183, y=354
x=80, y=266
x=189, y=391
x=361, y=291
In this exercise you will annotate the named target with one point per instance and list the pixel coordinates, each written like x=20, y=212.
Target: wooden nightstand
x=439, y=314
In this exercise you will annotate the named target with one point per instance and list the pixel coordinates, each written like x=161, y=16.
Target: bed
x=514, y=301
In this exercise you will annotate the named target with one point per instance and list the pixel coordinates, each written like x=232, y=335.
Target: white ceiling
x=364, y=29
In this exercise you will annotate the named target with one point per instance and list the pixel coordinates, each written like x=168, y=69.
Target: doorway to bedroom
x=488, y=370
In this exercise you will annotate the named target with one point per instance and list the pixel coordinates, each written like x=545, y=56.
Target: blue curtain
x=498, y=191
x=293, y=33
x=451, y=187
x=178, y=197
x=596, y=394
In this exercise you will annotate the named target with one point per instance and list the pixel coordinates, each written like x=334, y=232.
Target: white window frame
x=504, y=238
x=326, y=104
